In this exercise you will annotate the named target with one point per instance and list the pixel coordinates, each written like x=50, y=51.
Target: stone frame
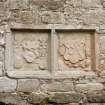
x=94, y=50
x=52, y=73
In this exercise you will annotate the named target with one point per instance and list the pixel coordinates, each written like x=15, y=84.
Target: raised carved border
x=53, y=57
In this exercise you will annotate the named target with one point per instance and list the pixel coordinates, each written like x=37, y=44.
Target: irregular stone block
x=91, y=3
x=49, y=5
x=1, y=68
x=19, y=4
x=93, y=17
x=96, y=97
x=27, y=85
x=2, y=42
x=54, y=5
x=15, y=16
x=58, y=87
x=103, y=3
x=26, y=17
x=73, y=104
x=77, y=3
x=65, y=98
x=102, y=55
x=2, y=6
x=95, y=104
x=37, y=98
x=7, y=85
x=52, y=17
x=89, y=87
x=12, y=99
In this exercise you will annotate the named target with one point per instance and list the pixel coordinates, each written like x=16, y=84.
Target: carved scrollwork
x=74, y=51
x=31, y=51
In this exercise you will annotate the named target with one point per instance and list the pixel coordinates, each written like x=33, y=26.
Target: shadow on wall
x=1, y=103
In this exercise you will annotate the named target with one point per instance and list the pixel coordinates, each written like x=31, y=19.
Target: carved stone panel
x=47, y=52
x=30, y=50
x=75, y=51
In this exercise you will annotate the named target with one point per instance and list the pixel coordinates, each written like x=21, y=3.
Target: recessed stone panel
x=30, y=50
x=76, y=50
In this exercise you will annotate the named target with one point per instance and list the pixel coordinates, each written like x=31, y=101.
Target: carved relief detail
x=74, y=51
x=30, y=51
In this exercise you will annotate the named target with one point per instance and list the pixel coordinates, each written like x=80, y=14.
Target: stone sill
x=48, y=75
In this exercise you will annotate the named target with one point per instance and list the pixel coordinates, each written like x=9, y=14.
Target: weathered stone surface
x=38, y=53
x=103, y=3
x=30, y=50
x=95, y=104
x=74, y=51
x=98, y=97
x=26, y=17
x=58, y=87
x=2, y=42
x=7, y=85
x=89, y=87
x=102, y=55
x=2, y=51
x=36, y=98
x=48, y=17
x=27, y=85
x=52, y=5
x=93, y=17
x=65, y=98
x=18, y=4
x=91, y=3
x=12, y=99
x=73, y=104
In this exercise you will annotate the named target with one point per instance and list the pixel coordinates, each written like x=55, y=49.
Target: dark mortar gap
x=2, y=103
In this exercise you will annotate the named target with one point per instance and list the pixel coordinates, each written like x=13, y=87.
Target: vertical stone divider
x=49, y=53
x=96, y=52
x=2, y=43
x=8, y=54
x=3, y=54
x=93, y=50
x=54, y=44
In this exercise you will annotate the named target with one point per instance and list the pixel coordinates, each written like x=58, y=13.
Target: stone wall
x=52, y=52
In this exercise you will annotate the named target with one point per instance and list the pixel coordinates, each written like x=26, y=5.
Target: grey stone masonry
x=52, y=52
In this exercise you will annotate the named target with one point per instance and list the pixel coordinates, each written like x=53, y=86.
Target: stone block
x=26, y=17
x=65, y=98
x=73, y=104
x=7, y=85
x=89, y=87
x=77, y=3
x=12, y=99
x=15, y=16
x=49, y=5
x=19, y=4
x=27, y=85
x=103, y=3
x=96, y=97
x=93, y=17
x=94, y=104
x=91, y=3
x=51, y=17
x=58, y=87
x=102, y=55
x=36, y=98
x=1, y=68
